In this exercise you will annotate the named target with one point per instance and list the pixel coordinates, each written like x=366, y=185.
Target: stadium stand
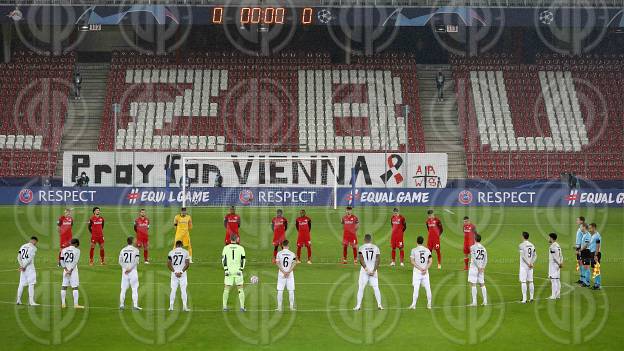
x=290, y=102
x=36, y=89
x=538, y=121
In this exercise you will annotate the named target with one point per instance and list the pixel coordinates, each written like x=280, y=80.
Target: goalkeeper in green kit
x=233, y=259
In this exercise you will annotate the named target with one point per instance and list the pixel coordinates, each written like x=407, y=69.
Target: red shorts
x=97, y=239
x=303, y=240
x=142, y=240
x=467, y=245
x=396, y=242
x=278, y=239
x=227, y=238
x=433, y=242
x=65, y=242
x=349, y=239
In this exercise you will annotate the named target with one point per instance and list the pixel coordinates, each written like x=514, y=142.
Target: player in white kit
x=69, y=262
x=28, y=274
x=421, y=261
x=476, y=272
x=555, y=262
x=286, y=261
x=178, y=262
x=528, y=255
x=129, y=260
x=369, y=258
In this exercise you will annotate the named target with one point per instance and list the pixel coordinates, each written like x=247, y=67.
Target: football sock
x=101, y=254
x=172, y=296
x=75, y=295
x=275, y=252
x=474, y=295
x=415, y=295
x=145, y=254
x=291, y=298
x=122, y=296
x=184, y=296
x=190, y=249
x=377, y=294
x=309, y=247
x=91, y=253
x=354, y=253
x=299, y=253
x=135, y=296
x=439, y=254
x=597, y=280
x=428, y=293
x=524, y=291
x=344, y=252
x=241, y=297
x=31, y=293
x=226, y=293
x=553, y=287
x=402, y=254
x=280, y=296
x=465, y=262
x=63, y=294
x=393, y=255
x=360, y=294
x=531, y=290
x=484, y=292
x=20, y=291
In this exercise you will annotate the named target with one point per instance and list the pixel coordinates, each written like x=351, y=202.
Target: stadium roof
x=421, y=3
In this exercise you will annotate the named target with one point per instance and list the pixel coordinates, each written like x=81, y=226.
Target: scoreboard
x=262, y=15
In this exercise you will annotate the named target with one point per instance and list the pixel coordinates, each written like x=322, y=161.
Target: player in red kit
x=96, y=228
x=350, y=224
x=279, y=224
x=141, y=228
x=398, y=224
x=434, y=229
x=231, y=222
x=303, y=224
x=469, y=239
x=65, y=224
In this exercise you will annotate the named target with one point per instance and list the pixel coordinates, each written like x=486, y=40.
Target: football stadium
x=312, y=174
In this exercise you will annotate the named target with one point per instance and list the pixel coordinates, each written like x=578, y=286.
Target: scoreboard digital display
x=262, y=15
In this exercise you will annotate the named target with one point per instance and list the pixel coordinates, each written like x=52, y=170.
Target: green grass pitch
x=325, y=291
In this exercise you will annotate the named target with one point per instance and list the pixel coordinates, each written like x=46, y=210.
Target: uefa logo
x=464, y=197
x=246, y=196
x=25, y=196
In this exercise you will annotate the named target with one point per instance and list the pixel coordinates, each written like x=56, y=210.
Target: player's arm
x=190, y=223
x=404, y=225
x=285, y=224
x=58, y=224
x=357, y=224
x=175, y=221
x=224, y=261
x=170, y=264
x=224, y=222
x=361, y=260
x=484, y=262
x=440, y=227
x=272, y=226
x=377, y=262
x=297, y=225
x=90, y=225
x=429, y=262
x=187, y=263
x=243, y=256
x=309, y=224
x=135, y=228
x=120, y=260
x=597, y=246
x=103, y=222
x=412, y=260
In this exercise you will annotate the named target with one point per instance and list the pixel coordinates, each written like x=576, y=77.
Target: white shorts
x=420, y=279
x=475, y=277
x=130, y=280
x=365, y=279
x=71, y=279
x=554, y=272
x=288, y=283
x=526, y=274
x=28, y=277
x=175, y=281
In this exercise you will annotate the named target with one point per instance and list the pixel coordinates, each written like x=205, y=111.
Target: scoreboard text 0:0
x=262, y=15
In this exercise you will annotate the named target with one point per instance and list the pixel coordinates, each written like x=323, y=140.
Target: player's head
x=302, y=213
x=179, y=243
x=395, y=210
x=67, y=212
x=478, y=238
x=285, y=243
x=232, y=209
x=233, y=238
x=183, y=211
x=552, y=237
x=34, y=240
x=525, y=235
x=420, y=240
x=75, y=242
x=580, y=220
x=142, y=212
x=592, y=227
x=430, y=213
x=280, y=212
x=368, y=238
x=96, y=211
x=584, y=227
x=130, y=240
x=349, y=210
x=466, y=220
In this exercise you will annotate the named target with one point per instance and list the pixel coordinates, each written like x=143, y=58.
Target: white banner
x=151, y=169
